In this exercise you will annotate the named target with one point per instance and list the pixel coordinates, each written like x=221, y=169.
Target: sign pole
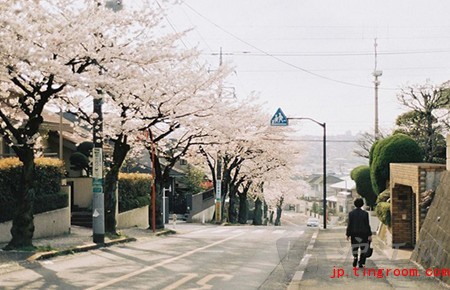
x=280, y=119
x=218, y=188
x=218, y=201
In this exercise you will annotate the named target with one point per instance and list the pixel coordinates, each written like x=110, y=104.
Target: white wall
x=204, y=216
x=133, y=218
x=48, y=224
x=82, y=191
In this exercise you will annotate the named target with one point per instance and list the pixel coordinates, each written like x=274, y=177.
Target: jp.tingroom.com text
x=388, y=272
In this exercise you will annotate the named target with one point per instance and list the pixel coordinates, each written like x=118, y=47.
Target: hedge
x=397, y=148
x=384, y=196
x=361, y=176
x=134, y=190
x=47, y=186
x=383, y=210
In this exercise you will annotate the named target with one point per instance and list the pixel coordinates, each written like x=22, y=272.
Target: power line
x=310, y=140
x=171, y=25
x=322, y=54
x=196, y=30
x=278, y=58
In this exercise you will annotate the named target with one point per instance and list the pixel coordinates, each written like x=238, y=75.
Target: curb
x=78, y=249
x=84, y=248
x=297, y=278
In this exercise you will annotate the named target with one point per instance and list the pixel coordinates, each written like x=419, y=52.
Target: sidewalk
x=327, y=264
x=79, y=240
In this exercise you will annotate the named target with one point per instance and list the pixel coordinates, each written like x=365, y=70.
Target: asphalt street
x=197, y=257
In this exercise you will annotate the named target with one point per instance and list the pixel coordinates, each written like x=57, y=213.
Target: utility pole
x=153, y=194
x=98, y=203
x=376, y=73
x=219, y=188
x=218, y=198
x=61, y=139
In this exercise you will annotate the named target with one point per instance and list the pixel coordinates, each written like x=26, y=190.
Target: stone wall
x=433, y=247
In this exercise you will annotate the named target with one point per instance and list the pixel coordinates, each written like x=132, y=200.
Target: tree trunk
x=243, y=208
x=159, y=184
x=225, y=186
x=232, y=212
x=112, y=177
x=257, y=217
x=23, y=225
x=265, y=212
x=271, y=217
x=278, y=217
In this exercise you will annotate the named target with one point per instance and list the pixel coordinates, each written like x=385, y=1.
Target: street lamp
x=324, y=126
x=280, y=119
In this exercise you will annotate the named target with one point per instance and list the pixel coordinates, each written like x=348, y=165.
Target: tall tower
x=376, y=73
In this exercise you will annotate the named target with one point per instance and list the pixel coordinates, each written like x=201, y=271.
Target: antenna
x=376, y=73
x=375, y=44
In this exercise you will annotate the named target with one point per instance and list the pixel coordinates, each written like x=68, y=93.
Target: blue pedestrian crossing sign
x=279, y=119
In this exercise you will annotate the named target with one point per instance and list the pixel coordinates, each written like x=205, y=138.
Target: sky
x=315, y=58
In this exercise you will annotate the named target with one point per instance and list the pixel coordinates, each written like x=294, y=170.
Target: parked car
x=312, y=222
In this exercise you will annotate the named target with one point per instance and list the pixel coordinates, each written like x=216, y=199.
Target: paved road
x=198, y=257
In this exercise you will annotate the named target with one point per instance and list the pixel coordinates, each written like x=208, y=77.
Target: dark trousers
x=360, y=243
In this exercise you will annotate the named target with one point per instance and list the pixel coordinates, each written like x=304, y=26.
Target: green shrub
x=48, y=202
x=397, y=148
x=79, y=161
x=361, y=176
x=48, y=175
x=383, y=210
x=134, y=190
x=47, y=186
x=384, y=196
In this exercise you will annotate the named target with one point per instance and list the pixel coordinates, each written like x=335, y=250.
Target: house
x=49, y=130
x=316, y=183
x=344, y=194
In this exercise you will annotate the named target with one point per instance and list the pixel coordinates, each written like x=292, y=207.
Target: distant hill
x=341, y=158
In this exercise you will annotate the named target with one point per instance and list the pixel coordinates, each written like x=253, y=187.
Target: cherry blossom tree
x=31, y=74
x=244, y=149
x=83, y=52
x=283, y=190
x=147, y=84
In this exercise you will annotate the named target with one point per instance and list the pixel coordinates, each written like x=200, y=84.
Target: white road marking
x=219, y=231
x=298, y=276
x=180, y=282
x=204, y=282
x=162, y=263
x=305, y=260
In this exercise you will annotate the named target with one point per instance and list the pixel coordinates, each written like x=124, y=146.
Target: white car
x=312, y=222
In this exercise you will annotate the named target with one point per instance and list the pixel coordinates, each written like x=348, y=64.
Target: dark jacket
x=358, y=223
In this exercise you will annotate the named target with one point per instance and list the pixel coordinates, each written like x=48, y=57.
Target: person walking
x=359, y=232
